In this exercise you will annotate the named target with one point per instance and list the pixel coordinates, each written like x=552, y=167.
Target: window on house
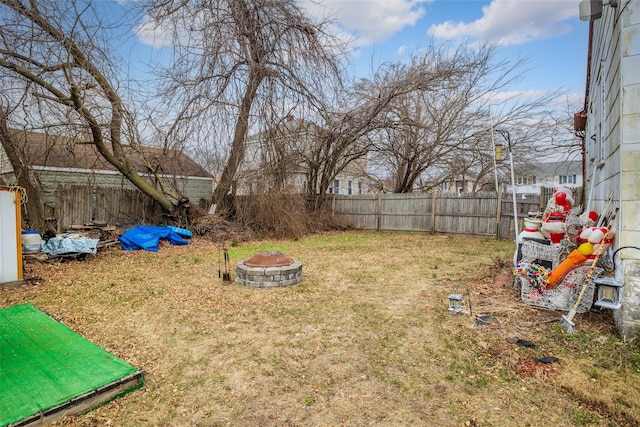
x=359, y=188
x=349, y=187
x=336, y=186
x=568, y=179
x=525, y=180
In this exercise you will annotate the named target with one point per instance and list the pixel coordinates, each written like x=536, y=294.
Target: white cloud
x=360, y=22
x=513, y=95
x=574, y=98
x=154, y=35
x=510, y=22
x=369, y=20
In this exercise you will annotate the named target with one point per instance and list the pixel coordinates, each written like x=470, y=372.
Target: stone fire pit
x=268, y=270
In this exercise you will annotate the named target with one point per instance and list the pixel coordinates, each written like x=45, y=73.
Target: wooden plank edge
x=85, y=402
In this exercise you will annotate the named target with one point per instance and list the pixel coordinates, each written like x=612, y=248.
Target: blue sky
x=549, y=34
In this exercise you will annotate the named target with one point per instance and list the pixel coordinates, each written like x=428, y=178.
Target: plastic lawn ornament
x=553, y=220
x=596, y=236
x=576, y=257
x=567, y=321
x=561, y=201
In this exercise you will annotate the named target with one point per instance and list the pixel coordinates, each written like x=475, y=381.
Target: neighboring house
x=611, y=137
x=549, y=175
x=58, y=160
x=461, y=185
x=283, y=148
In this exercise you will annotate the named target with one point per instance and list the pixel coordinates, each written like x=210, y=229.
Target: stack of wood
x=107, y=234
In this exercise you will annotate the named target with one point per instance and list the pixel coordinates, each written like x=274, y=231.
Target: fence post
x=379, y=212
x=498, y=214
x=333, y=206
x=433, y=211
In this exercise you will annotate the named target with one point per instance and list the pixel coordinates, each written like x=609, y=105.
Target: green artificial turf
x=45, y=365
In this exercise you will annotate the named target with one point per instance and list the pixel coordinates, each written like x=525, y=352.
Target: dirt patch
x=533, y=368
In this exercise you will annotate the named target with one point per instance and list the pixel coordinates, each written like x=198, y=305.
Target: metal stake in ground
x=567, y=321
x=226, y=276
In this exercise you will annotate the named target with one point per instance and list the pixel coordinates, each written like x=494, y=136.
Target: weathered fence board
x=483, y=214
x=80, y=204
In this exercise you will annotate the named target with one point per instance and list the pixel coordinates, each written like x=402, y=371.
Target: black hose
x=616, y=251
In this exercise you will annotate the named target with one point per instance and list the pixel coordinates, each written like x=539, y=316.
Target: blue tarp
x=148, y=237
x=181, y=231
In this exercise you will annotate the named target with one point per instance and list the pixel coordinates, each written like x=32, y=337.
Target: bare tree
x=363, y=116
x=445, y=128
x=24, y=176
x=237, y=62
x=57, y=63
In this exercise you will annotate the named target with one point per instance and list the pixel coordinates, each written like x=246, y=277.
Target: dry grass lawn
x=364, y=339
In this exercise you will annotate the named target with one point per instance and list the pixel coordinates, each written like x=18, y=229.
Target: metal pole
x=495, y=173
x=493, y=144
x=513, y=187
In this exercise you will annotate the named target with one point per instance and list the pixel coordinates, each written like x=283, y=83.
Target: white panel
x=630, y=128
x=630, y=67
x=8, y=238
x=631, y=99
x=631, y=37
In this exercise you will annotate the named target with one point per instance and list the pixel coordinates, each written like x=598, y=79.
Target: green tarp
x=44, y=365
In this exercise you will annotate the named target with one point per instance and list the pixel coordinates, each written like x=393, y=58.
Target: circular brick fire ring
x=268, y=270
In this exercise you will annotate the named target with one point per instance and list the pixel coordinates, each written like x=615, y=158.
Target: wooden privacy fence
x=79, y=204
x=482, y=214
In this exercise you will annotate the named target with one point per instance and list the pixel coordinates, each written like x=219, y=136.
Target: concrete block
x=631, y=127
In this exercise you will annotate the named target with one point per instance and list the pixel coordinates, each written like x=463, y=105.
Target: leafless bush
x=280, y=215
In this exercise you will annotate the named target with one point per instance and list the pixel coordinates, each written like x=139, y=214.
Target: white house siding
x=299, y=135
x=614, y=152
x=194, y=188
x=549, y=175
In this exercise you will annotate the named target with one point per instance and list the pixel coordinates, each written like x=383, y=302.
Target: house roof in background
x=550, y=169
x=289, y=126
x=40, y=149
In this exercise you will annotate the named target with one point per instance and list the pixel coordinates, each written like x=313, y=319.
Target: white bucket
x=31, y=241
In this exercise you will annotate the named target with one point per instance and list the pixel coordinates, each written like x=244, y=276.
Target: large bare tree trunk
x=26, y=179
x=236, y=153
x=246, y=63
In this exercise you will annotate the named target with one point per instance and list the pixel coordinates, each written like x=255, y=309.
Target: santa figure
x=553, y=220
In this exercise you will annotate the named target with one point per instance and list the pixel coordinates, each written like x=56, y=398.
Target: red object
x=580, y=121
x=556, y=238
x=593, y=216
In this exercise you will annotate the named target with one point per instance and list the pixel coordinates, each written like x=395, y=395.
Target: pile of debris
x=77, y=242
x=217, y=229
x=106, y=234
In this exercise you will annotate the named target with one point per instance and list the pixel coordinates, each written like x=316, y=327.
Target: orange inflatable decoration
x=577, y=256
